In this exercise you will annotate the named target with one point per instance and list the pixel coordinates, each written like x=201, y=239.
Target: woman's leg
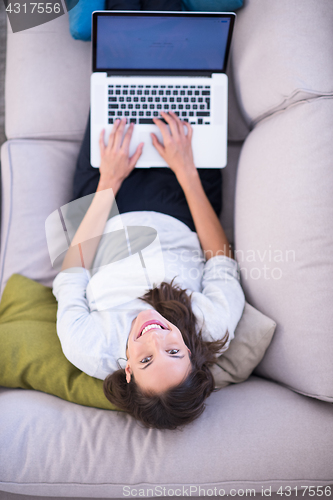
x=157, y=189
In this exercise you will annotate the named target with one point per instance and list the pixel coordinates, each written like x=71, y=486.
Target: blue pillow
x=80, y=14
x=80, y=18
x=212, y=5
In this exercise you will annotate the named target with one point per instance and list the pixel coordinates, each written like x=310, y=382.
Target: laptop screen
x=162, y=42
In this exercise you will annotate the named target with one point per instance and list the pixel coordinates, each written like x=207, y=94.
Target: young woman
x=169, y=336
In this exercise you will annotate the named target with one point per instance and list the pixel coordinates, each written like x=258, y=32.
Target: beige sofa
x=273, y=432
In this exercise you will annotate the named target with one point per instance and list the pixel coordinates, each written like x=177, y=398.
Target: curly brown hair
x=184, y=403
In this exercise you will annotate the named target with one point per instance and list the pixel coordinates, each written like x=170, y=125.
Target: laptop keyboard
x=141, y=103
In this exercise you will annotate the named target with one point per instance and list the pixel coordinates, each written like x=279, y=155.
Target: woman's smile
x=149, y=325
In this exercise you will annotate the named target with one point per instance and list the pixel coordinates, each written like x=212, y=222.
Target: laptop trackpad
x=150, y=156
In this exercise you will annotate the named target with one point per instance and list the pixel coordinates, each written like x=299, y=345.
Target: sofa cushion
x=229, y=176
x=31, y=356
x=36, y=178
x=284, y=241
x=253, y=335
x=282, y=53
x=238, y=129
x=47, y=83
x=251, y=435
x=48, y=97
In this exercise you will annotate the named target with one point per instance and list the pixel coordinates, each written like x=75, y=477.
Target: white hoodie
x=96, y=308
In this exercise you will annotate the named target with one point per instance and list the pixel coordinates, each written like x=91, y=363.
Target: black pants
x=147, y=189
x=151, y=189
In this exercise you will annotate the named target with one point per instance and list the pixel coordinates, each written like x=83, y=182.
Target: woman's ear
x=189, y=351
x=128, y=373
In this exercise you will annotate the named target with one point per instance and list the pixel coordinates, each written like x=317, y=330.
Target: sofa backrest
x=283, y=66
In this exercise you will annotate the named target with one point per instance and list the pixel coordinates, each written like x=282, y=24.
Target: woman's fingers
x=158, y=145
x=170, y=119
x=163, y=128
x=136, y=156
x=178, y=123
x=118, y=138
x=112, y=135
x=128, y=137
x=189, y=130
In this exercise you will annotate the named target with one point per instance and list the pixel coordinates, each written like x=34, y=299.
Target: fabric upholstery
x=251, y=434
x=37, y=178
x=47, y=90
x=31, y=355
x=238, y=129
x=282, y=53
x=229, y=175
x=253, y=335
x=273, y=496
x=283, y=220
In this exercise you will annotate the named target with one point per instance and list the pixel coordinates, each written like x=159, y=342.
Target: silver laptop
x=146, y=62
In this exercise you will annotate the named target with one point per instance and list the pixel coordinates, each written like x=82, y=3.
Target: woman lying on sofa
x=170, y=336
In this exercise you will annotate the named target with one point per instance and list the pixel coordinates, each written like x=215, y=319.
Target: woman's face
x=157, y=356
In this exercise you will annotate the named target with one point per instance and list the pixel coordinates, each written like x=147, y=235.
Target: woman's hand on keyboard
x=177, y=149
x=116, y=164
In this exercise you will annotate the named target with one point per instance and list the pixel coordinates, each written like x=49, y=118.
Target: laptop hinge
x=205, y=74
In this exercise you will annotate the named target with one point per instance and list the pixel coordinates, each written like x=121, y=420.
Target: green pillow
x=31, y=356
x=30, y=351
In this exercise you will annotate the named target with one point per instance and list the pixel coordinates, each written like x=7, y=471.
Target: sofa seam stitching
x=9, y=217
x=276, y=109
